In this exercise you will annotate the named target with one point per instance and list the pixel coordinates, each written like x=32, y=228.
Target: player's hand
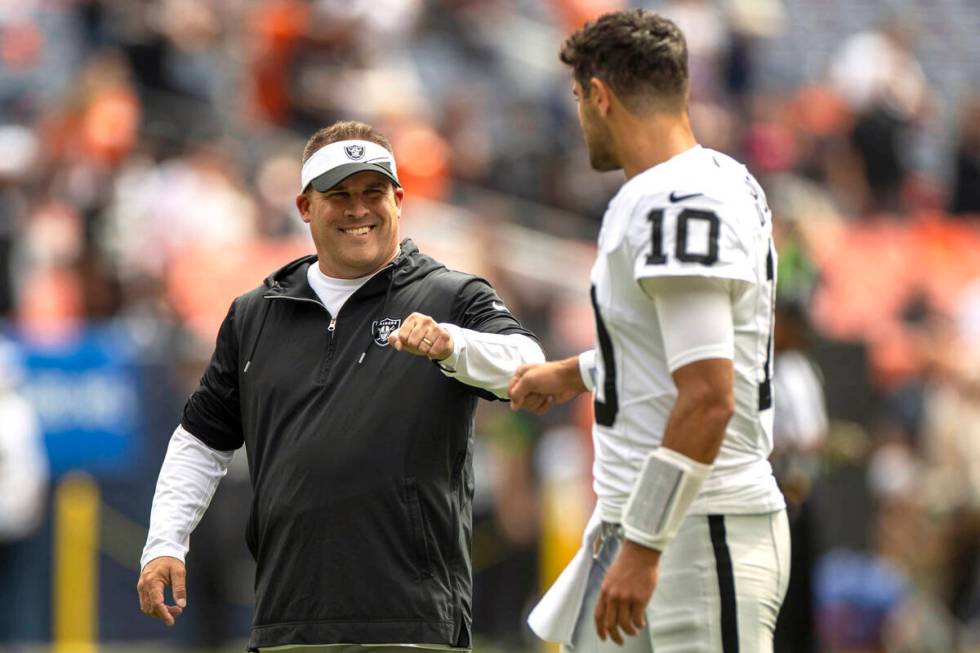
x=539, y=386
x=157, y=574
x=421, y=335
x=625, y=592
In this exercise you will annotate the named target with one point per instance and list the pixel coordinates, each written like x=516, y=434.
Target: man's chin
x=605, y=165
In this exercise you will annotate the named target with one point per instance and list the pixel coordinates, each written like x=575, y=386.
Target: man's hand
x=539, y=386
x=625, y=592
x=157, y=574
x=421, y=335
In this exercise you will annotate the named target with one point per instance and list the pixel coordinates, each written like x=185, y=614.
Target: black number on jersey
x=681, y=251
x=605, y=411
x=656, y=256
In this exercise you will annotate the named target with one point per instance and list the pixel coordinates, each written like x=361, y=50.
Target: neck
x=645, y=141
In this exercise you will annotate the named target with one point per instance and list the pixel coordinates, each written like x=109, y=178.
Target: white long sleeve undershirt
x=488, y=360
x=192, y=470
x=188, y=478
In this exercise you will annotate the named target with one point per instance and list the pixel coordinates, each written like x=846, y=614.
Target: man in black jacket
x=359, y=456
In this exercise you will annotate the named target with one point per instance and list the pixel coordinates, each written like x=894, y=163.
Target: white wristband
x=668, y=485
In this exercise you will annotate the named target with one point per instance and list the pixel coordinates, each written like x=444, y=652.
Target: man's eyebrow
x=340, y=188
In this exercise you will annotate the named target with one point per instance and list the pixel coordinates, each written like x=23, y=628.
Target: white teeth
x=358, y=231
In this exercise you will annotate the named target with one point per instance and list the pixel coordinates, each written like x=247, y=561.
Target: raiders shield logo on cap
x=381, y=329
x=354, y=152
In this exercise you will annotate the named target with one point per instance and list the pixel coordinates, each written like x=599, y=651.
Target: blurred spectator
x=951, y=440
x=23, y=463
x=751, y=21
x=966, y=166
x=856, y=594
x=801, y=415
x=706, y=30
x=799, y=430
x=158, y=209
x=23, y=492
x=505, y=527
x=21, y=155
x=878, y=75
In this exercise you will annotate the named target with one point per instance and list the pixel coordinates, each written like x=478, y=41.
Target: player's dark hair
x=344, y=130
x=639, y=54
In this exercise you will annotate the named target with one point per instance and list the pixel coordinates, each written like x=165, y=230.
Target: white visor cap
x=334, y=162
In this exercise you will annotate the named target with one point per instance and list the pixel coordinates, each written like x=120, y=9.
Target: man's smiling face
x=354, y=224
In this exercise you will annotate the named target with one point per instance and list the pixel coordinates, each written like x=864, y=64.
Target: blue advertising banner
x=86, y=393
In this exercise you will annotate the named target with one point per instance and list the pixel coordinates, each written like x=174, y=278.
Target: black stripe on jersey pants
x=694, y=607
x=726, y=584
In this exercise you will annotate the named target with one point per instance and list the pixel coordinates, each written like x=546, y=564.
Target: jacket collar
x=290, y=281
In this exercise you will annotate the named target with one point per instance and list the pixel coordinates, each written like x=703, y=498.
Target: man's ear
x=303, y=205
x=600, y=95
x=399, y=196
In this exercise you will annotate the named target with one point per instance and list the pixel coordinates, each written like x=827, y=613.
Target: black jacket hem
x=340, y=632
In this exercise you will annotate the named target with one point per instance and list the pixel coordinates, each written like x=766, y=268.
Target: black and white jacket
x=360, y=456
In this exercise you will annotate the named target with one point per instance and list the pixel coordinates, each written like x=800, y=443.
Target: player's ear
x=601, y=96
x=303, y=206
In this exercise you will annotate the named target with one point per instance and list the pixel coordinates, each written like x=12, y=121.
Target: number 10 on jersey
x=686, y=219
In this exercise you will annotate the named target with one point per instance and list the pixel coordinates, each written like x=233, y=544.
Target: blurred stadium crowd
x=149, y=160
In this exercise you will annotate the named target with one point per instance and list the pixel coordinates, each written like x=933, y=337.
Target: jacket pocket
x=420, y=539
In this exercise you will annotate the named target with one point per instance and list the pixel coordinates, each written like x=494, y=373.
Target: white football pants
x=722, y=581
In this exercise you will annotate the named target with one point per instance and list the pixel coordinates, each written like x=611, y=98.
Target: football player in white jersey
x=683, y=287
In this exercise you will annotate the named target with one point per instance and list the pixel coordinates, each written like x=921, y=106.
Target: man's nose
x=357, y=208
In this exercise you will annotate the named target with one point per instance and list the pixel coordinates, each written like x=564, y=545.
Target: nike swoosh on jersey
x=674, y=197
x=498, y=306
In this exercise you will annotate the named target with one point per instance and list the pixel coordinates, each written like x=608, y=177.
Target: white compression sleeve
x=695, y=315
x=488, y=360
x=188, y=478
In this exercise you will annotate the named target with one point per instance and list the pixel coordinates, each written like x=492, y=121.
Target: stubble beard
x=602, y=160
x=601, y=156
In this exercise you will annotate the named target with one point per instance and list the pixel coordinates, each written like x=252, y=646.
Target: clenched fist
x=421, y=335
x=539, y=386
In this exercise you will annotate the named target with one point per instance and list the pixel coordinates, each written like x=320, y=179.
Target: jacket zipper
x=331, y=329
x=328, y=357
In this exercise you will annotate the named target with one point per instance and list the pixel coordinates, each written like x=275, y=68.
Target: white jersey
x=698, y=214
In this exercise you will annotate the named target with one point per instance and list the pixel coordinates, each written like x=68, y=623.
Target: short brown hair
x=344, y=130
x=641, y=55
